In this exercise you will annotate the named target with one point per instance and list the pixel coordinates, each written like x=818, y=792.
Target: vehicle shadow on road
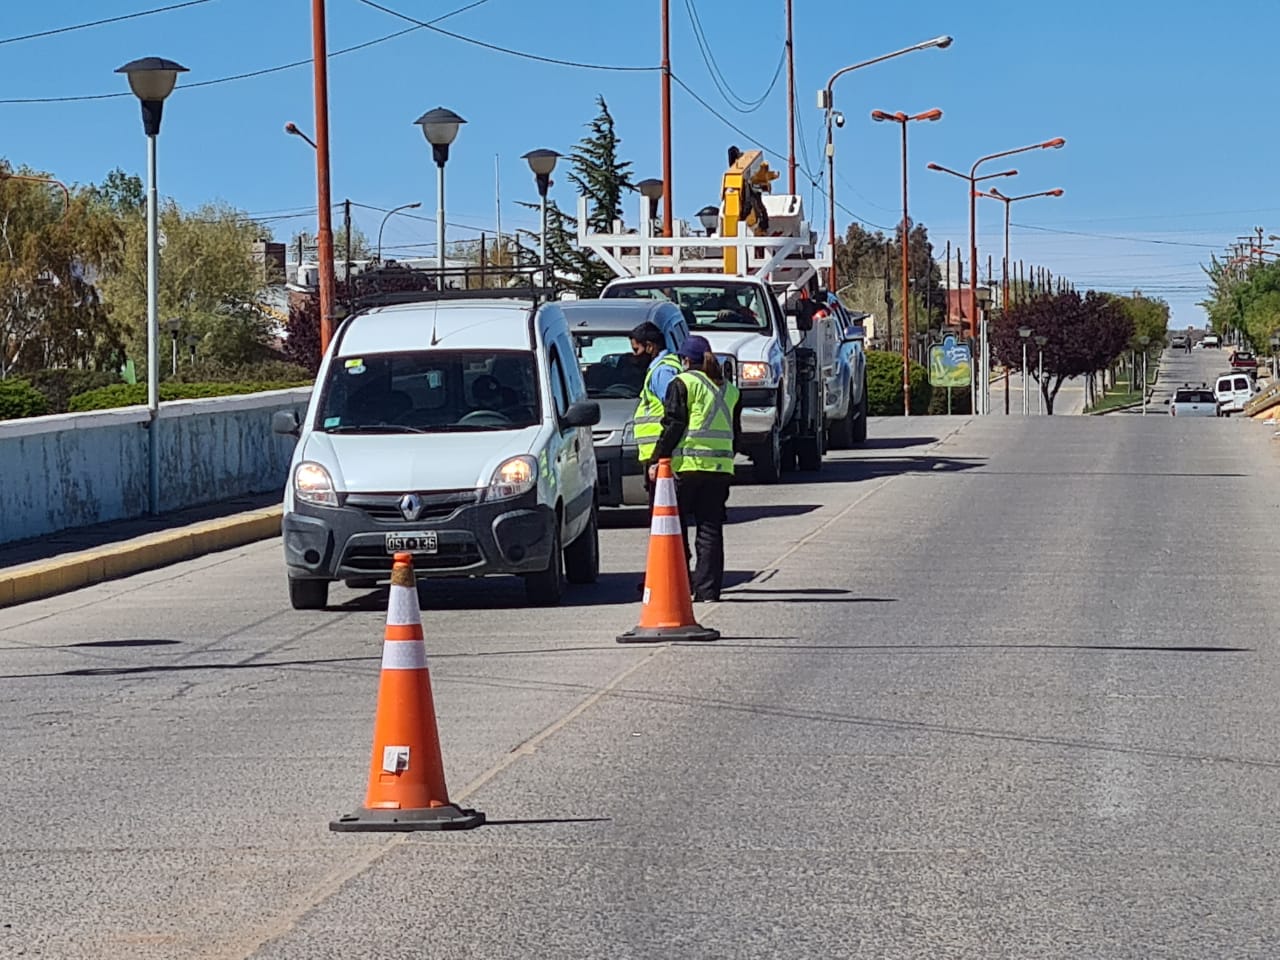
x=894, y=443
x=873, y=468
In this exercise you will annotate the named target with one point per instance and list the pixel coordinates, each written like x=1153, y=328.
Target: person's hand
x=653, y=473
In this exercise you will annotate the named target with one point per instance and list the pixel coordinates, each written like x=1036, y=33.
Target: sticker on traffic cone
x=406, y=779
x=667, y=610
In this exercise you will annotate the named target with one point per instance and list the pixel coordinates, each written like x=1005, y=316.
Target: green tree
x=121, y=192
x=597, y=173
x=207, y=280
x=51, y=250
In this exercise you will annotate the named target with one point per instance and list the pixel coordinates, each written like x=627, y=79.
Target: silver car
x=1193, y=402
x=614, y=375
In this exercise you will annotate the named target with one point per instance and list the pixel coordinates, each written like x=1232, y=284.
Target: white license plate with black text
x=424, y=541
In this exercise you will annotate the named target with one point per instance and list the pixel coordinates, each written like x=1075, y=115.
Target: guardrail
x=79, y=469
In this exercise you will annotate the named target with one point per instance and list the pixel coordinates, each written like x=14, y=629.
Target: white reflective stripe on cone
x=665, y=526
x=402, y=608
x=665, y=495
x=404, y=655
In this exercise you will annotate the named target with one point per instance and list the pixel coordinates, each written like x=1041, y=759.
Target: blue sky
x=1163, y=107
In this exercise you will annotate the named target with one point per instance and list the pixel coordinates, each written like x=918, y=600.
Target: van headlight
x=312, y=484
x=756, y=374
x=512, y=478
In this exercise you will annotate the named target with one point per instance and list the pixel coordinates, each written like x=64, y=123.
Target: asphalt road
x=1000, y=689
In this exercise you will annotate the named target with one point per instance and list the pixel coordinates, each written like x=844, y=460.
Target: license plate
x=424, y=541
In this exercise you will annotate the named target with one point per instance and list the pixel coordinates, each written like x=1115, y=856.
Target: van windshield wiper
x=375, y=428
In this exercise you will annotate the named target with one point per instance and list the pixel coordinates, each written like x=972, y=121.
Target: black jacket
x=675, y=420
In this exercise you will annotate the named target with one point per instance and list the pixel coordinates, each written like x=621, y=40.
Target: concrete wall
x=78, y=469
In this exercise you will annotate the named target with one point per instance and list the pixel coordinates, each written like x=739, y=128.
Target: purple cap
x=694, y=349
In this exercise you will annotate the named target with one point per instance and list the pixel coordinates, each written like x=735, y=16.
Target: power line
x=717, y=75
x=507, y=50
x=1105, y=236
x=99, y=23
x=254, y=73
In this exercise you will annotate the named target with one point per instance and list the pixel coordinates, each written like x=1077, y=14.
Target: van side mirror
x=286, y=423
x=584, y=413
x=805, y=310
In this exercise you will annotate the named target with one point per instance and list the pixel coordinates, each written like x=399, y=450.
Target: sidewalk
x=1069, y=402
x=69, y=559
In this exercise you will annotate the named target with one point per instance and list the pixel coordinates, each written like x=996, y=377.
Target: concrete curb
x=46, y=578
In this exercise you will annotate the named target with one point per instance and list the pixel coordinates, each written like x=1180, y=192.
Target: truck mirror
x=805, y=310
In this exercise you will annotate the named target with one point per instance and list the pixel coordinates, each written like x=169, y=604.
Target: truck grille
x=385, y=507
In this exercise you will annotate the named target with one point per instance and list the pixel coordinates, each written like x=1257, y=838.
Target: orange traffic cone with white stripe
x=666, y=612
x=406, y=779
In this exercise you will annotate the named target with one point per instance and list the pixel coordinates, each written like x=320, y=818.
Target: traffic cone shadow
x=666, y=610
x=406, y=776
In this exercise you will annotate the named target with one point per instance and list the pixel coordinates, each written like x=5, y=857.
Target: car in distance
x=1193, y=402
x=1233, y=391
x=1211, y=340
x=1178, y=341
x=613, y=376
x=1242, y=360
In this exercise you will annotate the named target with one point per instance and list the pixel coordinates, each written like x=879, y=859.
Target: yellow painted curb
x=50, y=577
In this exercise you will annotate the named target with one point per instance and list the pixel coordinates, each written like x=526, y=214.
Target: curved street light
x=1057, y=143
x=826, y=103
x=902, y=119
x=403, y=206
x=66, y=194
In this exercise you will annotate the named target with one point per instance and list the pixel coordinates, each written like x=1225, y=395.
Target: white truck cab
x=456, y=430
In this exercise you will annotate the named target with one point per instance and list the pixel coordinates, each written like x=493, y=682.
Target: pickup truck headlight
x=513, y=478
x=755, y=374
x=312, y=484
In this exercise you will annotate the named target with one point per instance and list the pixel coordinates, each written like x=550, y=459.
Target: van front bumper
x=474, y=538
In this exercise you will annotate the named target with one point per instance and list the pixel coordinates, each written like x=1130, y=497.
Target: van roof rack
x=395, y=283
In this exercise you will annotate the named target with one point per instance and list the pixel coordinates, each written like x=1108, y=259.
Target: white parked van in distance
x=1233, y=391
x=458, y=431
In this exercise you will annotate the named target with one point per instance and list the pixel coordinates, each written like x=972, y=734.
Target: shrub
x=884, y=385
x=60, y=385
x=18, y=398
x=133, y=394
x=263, y=371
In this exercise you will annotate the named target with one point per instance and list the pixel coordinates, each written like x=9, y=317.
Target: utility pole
x=791, y=108
x=666, y=118
x=324, y=203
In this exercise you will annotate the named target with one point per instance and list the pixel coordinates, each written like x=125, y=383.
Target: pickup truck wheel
x=582, y=557
x=766, y=462
x=840, y=432
x=308, y=594
x=546, y=587
x=860, y=420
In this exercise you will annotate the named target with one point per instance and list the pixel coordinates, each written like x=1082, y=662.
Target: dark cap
x=648, y=332
x=694, y=349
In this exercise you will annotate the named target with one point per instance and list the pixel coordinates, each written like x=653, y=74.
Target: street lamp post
x=152, y=79
x=1143, y=341
x=173, y=325
x=651, y=190
x=902, y=119
x=542, y=163
x=394, y=210
x=1041, y=340
x=973, y=179
x=440, y=127
x=1275, y=348
x=827, y=104
x=1025, y=334
x=1008, y=202
x=192, y=341
x=709, y=217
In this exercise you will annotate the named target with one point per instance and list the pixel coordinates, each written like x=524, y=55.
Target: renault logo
x=410, y=506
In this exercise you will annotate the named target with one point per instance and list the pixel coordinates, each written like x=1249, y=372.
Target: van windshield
x=610, y=368
x=706, y=305
x=434, y=391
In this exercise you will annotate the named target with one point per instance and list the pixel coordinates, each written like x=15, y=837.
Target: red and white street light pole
x=902, y=119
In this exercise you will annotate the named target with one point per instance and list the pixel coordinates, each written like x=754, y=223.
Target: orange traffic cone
x=406, y=778
x=667, y=610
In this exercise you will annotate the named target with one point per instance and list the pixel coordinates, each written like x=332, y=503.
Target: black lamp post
x=542, y=163
x=440, y=127
x=709, y=217
x=651, y=190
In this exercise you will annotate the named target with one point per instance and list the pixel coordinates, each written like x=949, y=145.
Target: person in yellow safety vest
x=647, y=344
x=700, y=431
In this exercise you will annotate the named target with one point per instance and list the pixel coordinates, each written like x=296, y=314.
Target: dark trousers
x=703, y=504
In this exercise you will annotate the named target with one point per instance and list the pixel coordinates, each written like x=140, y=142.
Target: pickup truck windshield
x=706, y=306
x=609, y=367
x=434, y=391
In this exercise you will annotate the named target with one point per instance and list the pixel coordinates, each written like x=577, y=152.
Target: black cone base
x=448, y=817
x=661, y=634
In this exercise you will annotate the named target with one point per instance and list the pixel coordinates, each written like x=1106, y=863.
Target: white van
x=1233, y=391
x=456, y=430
